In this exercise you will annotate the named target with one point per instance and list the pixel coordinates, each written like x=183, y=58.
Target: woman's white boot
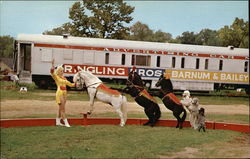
x=66, y=123
x=58, y=122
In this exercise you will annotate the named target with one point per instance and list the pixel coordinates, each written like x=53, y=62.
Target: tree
x=64, y=29
x=140, y=32
x=208, y=37
x=99, y=19
x=187, y=38
x=6, y=47
x=236, y=35
x=160, y=36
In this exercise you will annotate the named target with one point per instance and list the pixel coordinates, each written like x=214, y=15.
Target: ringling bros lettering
x=112, y=71
x=96, y=70
x=149, y=73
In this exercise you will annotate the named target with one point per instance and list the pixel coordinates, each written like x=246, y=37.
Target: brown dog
x=201, y=120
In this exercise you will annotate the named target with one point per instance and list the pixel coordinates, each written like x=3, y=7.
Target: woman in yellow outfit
x=61, y=93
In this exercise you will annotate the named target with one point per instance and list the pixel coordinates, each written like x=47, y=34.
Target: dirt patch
x=226, y=109
x=46, y=94
x=15, y=108
x=188, y=152
x=238, y=146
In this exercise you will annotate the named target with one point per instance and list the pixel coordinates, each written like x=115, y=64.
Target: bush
x=8, y=85
x=29, y=86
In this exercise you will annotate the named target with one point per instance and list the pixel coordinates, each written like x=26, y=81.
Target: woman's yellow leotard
x=61, y=83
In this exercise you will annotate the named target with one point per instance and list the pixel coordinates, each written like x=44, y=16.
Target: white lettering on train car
x=191, y=75
x=98, y=70
x=234, y=77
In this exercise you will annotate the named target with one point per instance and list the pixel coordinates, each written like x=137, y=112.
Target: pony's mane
x=166, y=85
x=137, y=78
x=89, y=78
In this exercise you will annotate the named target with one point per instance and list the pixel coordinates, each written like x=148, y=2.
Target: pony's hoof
x=147, y=123
x=152, y=125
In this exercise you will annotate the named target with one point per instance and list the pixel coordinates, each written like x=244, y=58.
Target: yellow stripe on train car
x=208, y=76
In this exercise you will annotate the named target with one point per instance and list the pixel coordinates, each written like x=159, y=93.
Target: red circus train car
x=192, y=67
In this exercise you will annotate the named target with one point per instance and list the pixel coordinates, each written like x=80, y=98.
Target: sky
x=174, y=17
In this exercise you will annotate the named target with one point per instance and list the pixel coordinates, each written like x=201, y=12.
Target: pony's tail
x=124, y=107
x=184, y=115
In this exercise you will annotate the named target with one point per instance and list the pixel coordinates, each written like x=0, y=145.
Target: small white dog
x=194, y=112
x=186, y=99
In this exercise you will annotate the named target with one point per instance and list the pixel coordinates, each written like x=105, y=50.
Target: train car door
x=25, y=55
x=24, y=62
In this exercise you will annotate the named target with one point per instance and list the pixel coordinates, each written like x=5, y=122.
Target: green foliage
x=64, y=29
x=98, y=19
x=236, y=35
x=208, y=37
x=188, y=38
x=30, y=86
x=160, y=36
x=6, y=47
x=142, y=32
x=8, y=86
x=105, y=141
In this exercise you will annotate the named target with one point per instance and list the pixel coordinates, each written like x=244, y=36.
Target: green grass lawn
x=104, y=141
x=83, y=96
x=35, y=94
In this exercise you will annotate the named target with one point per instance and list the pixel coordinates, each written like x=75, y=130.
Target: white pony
x=96, y=89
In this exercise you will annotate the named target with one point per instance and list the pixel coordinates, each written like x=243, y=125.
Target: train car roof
x=128, y=44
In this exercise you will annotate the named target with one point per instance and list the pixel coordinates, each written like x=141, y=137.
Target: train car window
x=197, y=63
x=141, y=60
x=123, y=59
x=107, y=58
x=221, y=65
x=173, y=62
x=133, y=60
x=158, y=61
x=182, y=62
x=206, y=64
x=246, y=66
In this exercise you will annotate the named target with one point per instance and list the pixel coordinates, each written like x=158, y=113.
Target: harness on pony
x=142, y=91
x=169, y=91
x=172, y=97
x=145, y=94
x=107, y=90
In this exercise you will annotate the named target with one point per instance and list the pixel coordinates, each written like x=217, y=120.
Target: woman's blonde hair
x=59, y=68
